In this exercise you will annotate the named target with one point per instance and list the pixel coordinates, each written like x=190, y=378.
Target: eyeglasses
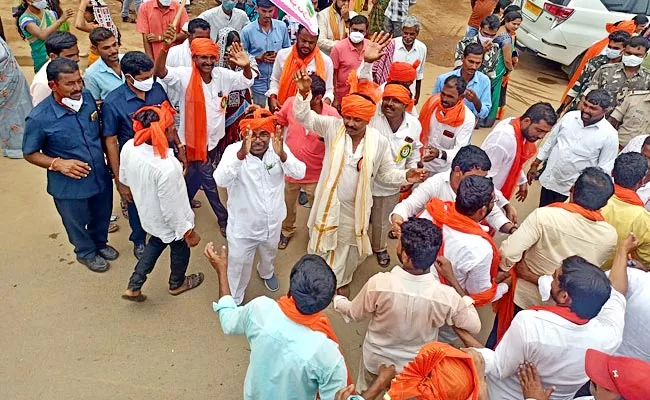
x=260, y=135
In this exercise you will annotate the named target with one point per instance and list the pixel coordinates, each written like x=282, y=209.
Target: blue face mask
x=229, y=5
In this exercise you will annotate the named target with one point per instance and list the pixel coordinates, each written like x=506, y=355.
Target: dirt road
x=68, y=335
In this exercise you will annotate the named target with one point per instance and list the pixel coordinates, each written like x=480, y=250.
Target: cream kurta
x=339, y=218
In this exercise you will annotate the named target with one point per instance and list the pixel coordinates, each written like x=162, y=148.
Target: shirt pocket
x=61, y=139
x=447, y=142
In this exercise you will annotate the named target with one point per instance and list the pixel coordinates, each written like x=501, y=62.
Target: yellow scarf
x=335, y=26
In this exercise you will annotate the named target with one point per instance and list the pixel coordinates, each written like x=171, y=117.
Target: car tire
x=571, y=68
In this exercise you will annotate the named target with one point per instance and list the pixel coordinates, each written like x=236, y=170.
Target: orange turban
x=196, y=121
x=399, y=92
x=156, y=130
x=403, y=72
x=357, y=106
x=262, y=120
x=438, y=372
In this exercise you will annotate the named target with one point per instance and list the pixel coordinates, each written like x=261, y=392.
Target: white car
x=561, y=30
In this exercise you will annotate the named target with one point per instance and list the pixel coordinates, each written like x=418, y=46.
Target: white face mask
x=356, y=37
x=40, y=4
x=72, y=103
x=632, y=61
x=144, y=85
x=165, y=3
x=612, y=53
x=484, y=39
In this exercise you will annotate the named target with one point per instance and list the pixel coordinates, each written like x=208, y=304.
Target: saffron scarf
x=316, y=322
x=627, y=196
x=293, y=63
x=444, y=213
x=336, y=35
x=454, y=116
x=156, y=130
x=575, y=208
x=525, y=150
x=564, y=312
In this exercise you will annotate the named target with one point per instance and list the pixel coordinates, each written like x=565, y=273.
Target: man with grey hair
x=408, y=49
x=395, y=15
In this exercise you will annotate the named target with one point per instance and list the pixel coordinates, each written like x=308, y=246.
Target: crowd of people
x=246, y=99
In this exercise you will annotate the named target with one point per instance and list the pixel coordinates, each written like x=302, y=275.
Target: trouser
x=201, y=174
x=471, y=32
x=492, y=339
x=86, y=221
x=241, y=253
x=179, y=258
x=138, y=235
x=382, y=206
x=548, y=196
x=393, y=27
x=344, y=261
x=126, y=4
x=291, y=193
x=259, y=99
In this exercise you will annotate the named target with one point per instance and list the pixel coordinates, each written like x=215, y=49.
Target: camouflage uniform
x=588, y=72
x=633, y=115
x=490, y=57
x=612, y=78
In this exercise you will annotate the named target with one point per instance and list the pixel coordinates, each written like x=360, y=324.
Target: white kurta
x=461, y=137
x=281, y=58
x=501, y=146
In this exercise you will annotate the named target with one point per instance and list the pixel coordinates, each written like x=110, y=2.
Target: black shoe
x=138, y=250
x=96, y=264
x=303, y=198
x=108, y=253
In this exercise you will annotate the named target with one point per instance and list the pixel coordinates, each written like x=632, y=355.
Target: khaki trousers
x=379, y=219
x=291, y=193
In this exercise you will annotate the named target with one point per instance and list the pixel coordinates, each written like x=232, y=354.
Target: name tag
x=93, y=116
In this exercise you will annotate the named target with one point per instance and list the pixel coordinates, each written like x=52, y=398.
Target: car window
x=628, y=6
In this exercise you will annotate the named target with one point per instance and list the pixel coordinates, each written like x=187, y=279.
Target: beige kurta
x=339, y=218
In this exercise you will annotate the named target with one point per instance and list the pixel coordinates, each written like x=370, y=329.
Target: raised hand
x=376, y=45
x=170, y=34
x=218, y=261
x=238, y=56
x=396, y=224
x=303, y=81
x=278, y=143
x=245, y=144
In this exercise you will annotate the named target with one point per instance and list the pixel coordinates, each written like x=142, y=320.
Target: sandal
x=195, y=204
x=392, y=235
x=284, y=242
x=191, y=281
x=138, y=299
x=128, y=19
x=383, y=258
x=222, y=229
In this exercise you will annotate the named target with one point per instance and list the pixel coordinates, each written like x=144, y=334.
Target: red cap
x=623, y=375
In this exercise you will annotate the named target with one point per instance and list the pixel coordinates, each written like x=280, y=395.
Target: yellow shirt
x=628, y=218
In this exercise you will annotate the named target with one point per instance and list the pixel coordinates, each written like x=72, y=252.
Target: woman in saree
x=507, y=61
x=376, y=16
x=15, y=103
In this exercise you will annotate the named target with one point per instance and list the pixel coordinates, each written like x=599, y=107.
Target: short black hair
x=619, y=36
x=640, y=19
x=59, y=41
x=312, y=284
x=265, y=4
x=318, y=86
x=541, y=112
x=232, y=35
x=135, y=62
x=421, y=241
x=100, y=34
x=636, y=41
x=198, y=23
x=359, y=19
x=60, y=66
x=471, y=157
x=301, y=27
x=599, y=97
x=586, y=284
x=491, y=22
x=630, y=169
x=511, y=8
x=473, y=48
x=593, y=189
x=511, y=15
x=146, y=117
x=458, y=82
x=474, y=193
x=646, y=141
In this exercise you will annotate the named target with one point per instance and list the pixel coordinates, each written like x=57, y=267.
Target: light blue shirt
x=480, y=84
x=100, y=79
x=288, y=361
x=256, y=42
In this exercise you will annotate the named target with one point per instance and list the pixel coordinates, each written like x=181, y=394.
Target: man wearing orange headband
x=412, y=52
x=253, y=172
x=148, y=167
x=355, y=155
x=203, y=97
x=402, y=130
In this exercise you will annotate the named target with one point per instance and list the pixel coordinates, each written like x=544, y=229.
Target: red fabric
x=454, y=116
x=401, y=71
x=564, y=312
x=262, y=120
x=575, y=208
x=504, y=308
x=525, y=151
x=623, y=375
x=156, y=130
x=399, y=92
x=628, y=196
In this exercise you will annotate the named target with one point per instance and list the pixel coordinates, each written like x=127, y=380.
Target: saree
x=499, y=84
x=15, y=103
x=376, y=16
x=37, y=46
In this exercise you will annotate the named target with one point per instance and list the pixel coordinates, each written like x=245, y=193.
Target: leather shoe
x=138, y=250
x=108, y=253
x=96, y=264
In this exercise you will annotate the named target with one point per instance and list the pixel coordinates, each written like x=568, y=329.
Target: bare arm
x=43, y=34
x=618, y=273
x=147, y=46
x=507, y=57
x=159, y=67
x=80, y=22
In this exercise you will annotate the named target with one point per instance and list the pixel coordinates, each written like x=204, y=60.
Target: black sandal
x=383, y=258
x=284, y=242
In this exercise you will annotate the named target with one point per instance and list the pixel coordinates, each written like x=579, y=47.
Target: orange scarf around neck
x=293, y=63
x=454, y=116
x=525, y=151
x=627, y=196
x=575, y=208
x=336, y=34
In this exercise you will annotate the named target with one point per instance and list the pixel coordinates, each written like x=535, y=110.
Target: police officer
x=62, y=135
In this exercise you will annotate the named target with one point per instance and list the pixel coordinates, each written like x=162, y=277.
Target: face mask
x=356, y=37
x=165, y=3
x=144, y=85
x=229, y=5
x=484, y=39
x=40, y=4
x=632, y=61
x=612, y=53
x=71, y=103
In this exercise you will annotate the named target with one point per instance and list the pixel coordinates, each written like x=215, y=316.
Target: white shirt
x=218, y=20
x=256, y=190
x=223, y=82
x=636, y=145
x=501, y=146
x=39, y=88
x=437, y=186
x=462, y=136
x=159, y=191
x=636, y=343
x=417, y=52
x=325, y=36
x=571, y=147
x=179, y=56
x=281, y=58
x=410, y=128
x=556, y=346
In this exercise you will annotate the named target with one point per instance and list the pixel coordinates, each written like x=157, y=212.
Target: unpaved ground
x=66, y=334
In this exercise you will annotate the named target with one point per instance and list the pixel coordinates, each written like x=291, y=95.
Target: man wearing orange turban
x=407, y=74
x=355, y=155
x=203, y=97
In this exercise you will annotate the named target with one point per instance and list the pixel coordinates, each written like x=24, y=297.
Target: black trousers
x=492, y=339
x=179, y=256
x=547, y=197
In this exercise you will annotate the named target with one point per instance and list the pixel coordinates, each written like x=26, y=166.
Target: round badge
x=224, y=102
x=406, y=150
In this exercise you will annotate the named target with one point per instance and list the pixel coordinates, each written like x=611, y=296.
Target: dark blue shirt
x=59, y=132
x=119, y=107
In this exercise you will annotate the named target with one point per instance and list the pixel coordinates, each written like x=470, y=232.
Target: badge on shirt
x=93, y=116
x=224, y=103
x=405, y=151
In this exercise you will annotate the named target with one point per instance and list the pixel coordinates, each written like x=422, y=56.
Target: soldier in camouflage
x=487, y=32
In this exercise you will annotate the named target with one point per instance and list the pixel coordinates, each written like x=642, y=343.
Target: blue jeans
x=471, y=32
x=179, y=259
x=138, y=235
x=86, y=221
x=127, y=4
x=259, y=99
x=201, y=174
